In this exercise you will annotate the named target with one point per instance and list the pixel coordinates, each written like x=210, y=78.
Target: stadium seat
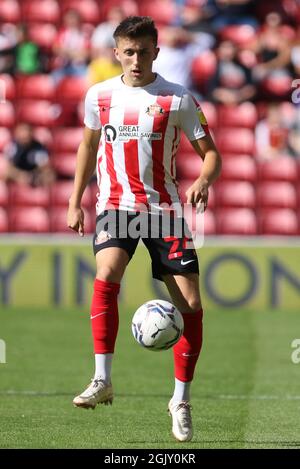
x=242, y=35
x=279, y=169
x=235, y=140
x=236, y=221
x=241, y=115
x=4, y=224
x=210, y=112
x=188, y=165
x=281, y=221
x=36, y=112
x=210, y=225
x=10, y=11
x=5, y=137
x=29, y=220
x=239, y=168
x=203, y=68
x=44, y=136
x=7, y=114
x=40, y=86
x=67, y=139
x=3, y=166
x=71, y=89
x=236, y=194
x=61, y=192
x=22, y=196
x=277, y=195
x=64, y=164
x=58, y=217
x=43, y=34
x=7, y=87
x=4, y=194
x=185, y=145
x=278, y=86
x=41, y=11
x=89, y=9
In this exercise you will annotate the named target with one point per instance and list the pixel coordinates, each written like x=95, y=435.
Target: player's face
x=136, y=57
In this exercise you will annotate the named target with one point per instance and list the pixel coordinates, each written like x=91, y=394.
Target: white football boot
x=98, y=392
x=182, y=427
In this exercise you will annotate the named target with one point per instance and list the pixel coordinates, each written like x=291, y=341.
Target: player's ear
x=116, y=52
x=156, y=53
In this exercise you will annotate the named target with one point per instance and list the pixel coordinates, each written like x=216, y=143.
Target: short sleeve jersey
x=140, y=133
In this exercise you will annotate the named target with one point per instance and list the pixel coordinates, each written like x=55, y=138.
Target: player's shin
x=104, y=321
x=187, y=350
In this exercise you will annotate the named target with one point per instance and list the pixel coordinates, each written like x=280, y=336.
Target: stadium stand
x=256, y=194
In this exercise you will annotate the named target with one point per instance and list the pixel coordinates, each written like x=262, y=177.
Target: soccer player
x=139, y=116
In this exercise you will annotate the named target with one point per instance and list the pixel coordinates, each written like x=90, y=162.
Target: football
x=157, y=325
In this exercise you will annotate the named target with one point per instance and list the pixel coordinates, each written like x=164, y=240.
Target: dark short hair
x=136, y=26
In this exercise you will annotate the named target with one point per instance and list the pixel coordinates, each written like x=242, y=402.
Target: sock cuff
x=106, y=287
x=190, y=317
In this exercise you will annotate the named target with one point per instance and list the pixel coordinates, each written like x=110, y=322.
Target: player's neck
x=140, y=83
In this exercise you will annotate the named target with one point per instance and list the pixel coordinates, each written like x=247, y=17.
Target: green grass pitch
x=245, y=394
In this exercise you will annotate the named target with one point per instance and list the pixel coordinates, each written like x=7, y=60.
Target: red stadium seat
x=276, y=194
x=236, y=194
x=43, y=34
x=67, y=139
x=235, y=140
x=36, y=112
x=242, y=35
x=89, y=9
x=41, y=11
x=203, y=68
x=64, y=164
x=242, y=115
x=4, y=194
x=58, y=218
x=281, y=221
x=3, y=166
x=29, y=220
x=61, y=192
x=277, y=86
x=236, y=221
x=241, y=168
x=44, y=136
x=210, y=224
x=22, y=196
x=162, y=11
x=279, y=169
x=4, y=224
x=10, y=11
x=188, y=165
x=36, y=87
x=7, y=87
x=5, y=137
x=7, y=114
x=71, y=89
x=210, y=112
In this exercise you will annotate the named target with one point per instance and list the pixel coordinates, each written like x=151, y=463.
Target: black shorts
x=167, y=239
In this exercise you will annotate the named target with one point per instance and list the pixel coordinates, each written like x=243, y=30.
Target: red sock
x=187, y=349
x=105, y=316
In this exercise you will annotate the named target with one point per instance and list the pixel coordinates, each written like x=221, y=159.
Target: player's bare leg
x=111, y=264
x=185, y=293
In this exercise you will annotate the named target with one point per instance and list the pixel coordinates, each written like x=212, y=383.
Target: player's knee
x=108, y=274
x=193, y=305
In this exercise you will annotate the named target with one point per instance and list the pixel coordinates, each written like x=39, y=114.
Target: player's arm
x=210, y=171
x=85, y=167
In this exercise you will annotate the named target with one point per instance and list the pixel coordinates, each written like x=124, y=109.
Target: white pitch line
x=11, y=392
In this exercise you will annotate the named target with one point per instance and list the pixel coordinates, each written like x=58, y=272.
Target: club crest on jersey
x=102, y=237
x=154, y=110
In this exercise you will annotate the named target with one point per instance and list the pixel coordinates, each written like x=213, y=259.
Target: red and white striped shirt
x=140, y=136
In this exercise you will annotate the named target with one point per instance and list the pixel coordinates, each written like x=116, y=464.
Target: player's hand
x=75, y=219
x=197, y=194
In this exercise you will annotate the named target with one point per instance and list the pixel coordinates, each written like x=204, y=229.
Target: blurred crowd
x=228, y=52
